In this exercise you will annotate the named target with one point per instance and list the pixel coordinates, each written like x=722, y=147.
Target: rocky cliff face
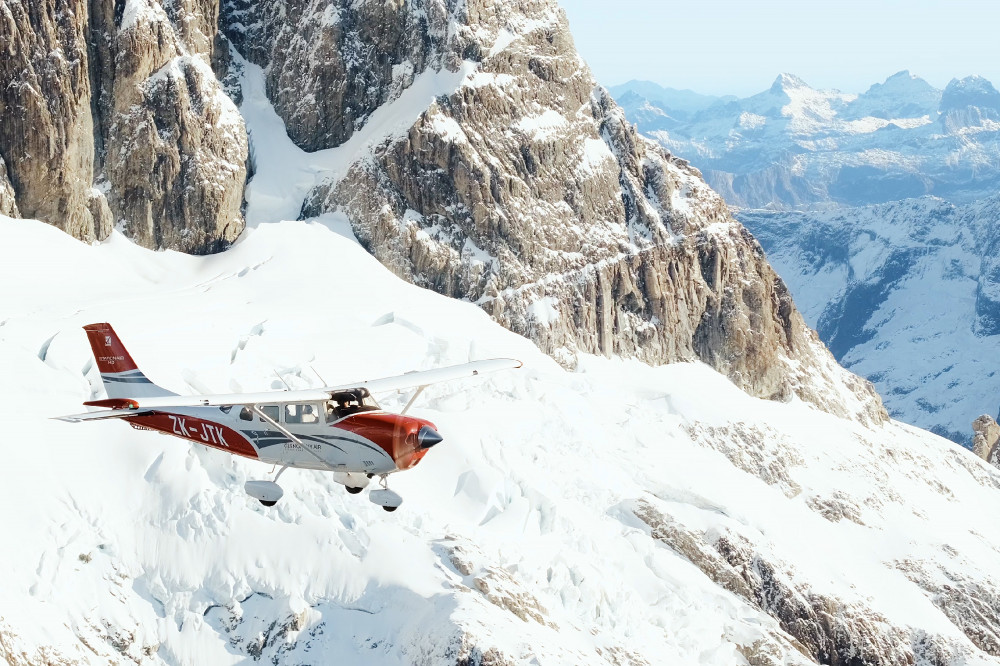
x=112, y=115
x=521, y=187
x=8, y=202
x=47, y=131
x=985, y=438
x=524, y=189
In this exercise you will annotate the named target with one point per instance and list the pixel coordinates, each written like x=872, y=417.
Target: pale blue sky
x=739, y=47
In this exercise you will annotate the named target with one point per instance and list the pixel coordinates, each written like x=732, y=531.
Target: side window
x=271, y=411
x=246, y=414
x=296, y=413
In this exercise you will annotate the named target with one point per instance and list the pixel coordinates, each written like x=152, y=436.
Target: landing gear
x=266, y=492
x=354, y=482
x=385, y=498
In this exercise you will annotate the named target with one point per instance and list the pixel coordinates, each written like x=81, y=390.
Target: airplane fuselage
x=371, y=442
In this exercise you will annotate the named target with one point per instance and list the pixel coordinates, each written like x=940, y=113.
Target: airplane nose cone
x=428, y=437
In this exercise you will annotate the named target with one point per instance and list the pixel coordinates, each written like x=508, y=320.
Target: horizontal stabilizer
x=100, y=415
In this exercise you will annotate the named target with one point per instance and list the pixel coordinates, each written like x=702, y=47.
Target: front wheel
x=353, y=491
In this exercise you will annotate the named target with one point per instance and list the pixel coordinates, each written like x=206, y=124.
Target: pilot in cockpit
x=346, y=403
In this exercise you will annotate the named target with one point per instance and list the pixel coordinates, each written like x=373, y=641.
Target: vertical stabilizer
x=122, y=378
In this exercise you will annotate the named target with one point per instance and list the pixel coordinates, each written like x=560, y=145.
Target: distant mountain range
x=793, y=146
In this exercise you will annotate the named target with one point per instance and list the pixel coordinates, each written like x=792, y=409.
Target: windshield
x=345, y=403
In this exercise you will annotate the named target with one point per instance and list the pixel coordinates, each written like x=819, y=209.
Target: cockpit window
x=345, y=403
x=301, y=413
x=271, y=411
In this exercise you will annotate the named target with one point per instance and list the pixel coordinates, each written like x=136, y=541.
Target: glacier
x=620, y=513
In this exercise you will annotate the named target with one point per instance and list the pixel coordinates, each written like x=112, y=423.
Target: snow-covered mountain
x=619, y=514
x=905, y=294
x=467, y=143
x=793, y=146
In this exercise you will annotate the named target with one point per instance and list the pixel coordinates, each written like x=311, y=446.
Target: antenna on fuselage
x=321, y=380
x=280, y=379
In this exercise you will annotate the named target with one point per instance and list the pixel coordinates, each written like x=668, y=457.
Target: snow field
x=519, y=530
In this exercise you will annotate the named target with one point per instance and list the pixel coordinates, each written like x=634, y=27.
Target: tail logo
x=107, y=340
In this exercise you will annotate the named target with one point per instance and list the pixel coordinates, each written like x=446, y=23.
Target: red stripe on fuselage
x=207, y=433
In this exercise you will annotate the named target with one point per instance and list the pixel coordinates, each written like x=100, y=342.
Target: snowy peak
x=902, y=95
x=786, y=82
x=970, y=91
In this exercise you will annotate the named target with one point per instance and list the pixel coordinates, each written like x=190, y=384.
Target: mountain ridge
x=794, y=147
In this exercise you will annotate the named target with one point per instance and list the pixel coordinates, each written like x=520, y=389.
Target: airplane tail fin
x=122, y=378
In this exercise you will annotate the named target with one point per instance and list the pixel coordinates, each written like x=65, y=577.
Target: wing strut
x=289, y=435
x=420, y=389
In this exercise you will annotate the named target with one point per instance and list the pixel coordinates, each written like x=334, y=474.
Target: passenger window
x=271, y=411
x=301, y=414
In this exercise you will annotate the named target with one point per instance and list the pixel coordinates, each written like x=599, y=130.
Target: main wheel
x=390, y=509
x=353, y=491
x=268, y=503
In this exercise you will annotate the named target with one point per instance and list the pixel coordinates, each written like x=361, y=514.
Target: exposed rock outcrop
x=8, y=201
x=824, y=629
x=986, y=438
x=46, y=126
x=121, y=96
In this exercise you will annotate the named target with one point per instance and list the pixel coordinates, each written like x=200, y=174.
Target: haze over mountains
x=903, y=291
x=793, y=146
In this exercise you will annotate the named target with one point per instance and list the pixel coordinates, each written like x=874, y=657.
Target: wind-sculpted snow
x=619, y=514
x=904, y=294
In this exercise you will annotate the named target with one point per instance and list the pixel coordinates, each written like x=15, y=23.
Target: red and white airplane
x=335, y=428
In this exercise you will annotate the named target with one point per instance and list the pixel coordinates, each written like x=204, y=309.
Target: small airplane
x=340, y=429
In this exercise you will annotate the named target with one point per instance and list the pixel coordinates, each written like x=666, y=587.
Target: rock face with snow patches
x=793, y=146
x=985, y=438
x=522, y=188
x=46, y=124
x=112, y=115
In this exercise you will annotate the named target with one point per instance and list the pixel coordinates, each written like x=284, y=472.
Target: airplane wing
x=435, y=376
x=385, y=384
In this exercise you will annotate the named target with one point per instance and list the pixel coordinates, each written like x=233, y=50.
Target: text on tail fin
x=109, y=352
